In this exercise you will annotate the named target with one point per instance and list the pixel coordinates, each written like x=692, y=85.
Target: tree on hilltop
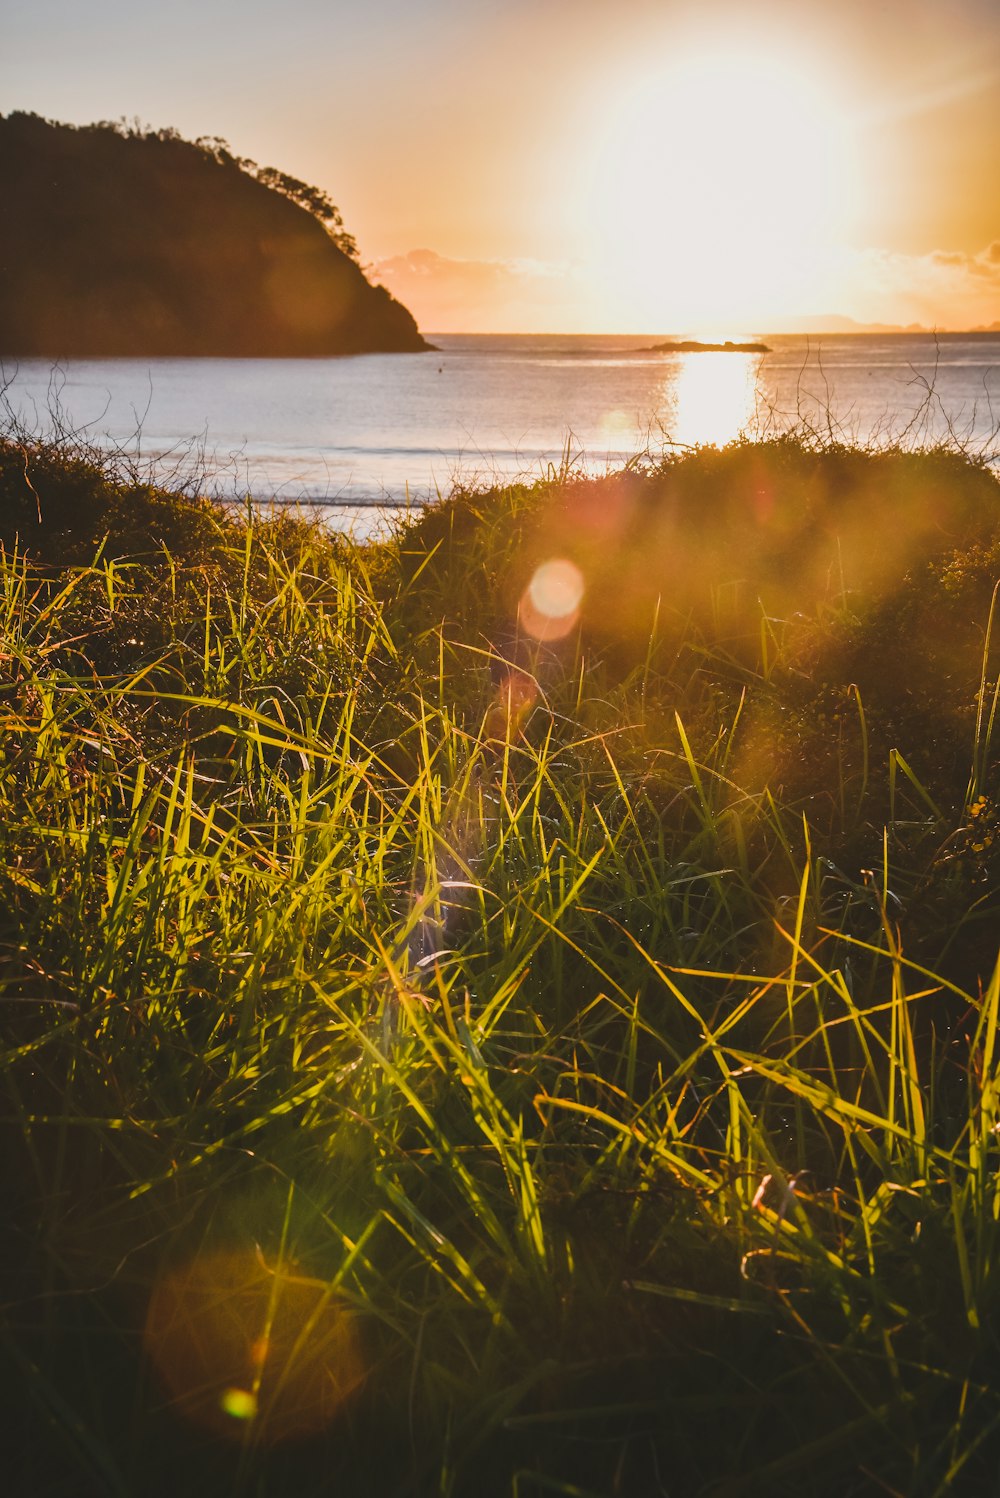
x=119, y=240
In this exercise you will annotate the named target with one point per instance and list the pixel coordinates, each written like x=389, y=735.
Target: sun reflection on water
x=619, y=430
x=709, y=398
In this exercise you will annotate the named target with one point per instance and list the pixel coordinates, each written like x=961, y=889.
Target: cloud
x=485, y=296
x=948, y=257
x=943, y=288
x=986, y=263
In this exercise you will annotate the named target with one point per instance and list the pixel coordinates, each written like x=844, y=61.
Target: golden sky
x=572, y=165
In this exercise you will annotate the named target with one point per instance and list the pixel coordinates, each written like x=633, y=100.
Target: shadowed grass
x=439, y=1061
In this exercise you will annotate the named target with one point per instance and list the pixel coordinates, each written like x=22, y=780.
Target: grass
x=439, y=1061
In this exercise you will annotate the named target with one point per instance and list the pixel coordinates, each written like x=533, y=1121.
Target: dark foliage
x=544, y=1181
x=119, y=243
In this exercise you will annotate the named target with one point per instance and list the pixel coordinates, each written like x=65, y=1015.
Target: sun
x=718, y=185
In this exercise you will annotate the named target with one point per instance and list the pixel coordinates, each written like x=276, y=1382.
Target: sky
x=664, y=166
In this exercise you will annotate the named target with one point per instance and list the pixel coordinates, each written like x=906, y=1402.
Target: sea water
x=365, y=437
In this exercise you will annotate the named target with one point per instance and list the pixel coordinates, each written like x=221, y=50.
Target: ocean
x=370, y=436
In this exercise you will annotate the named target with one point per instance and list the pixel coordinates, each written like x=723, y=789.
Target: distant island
x=118, y=241
x=691, y=346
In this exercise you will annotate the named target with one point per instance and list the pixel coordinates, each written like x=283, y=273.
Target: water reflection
x=709, y=398
x=384, y=430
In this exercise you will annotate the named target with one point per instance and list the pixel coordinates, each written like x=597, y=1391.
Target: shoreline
x=376, y=430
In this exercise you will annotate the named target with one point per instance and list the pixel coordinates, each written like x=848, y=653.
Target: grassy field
x=475, y=1026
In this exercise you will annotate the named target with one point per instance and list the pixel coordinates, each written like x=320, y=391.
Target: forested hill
x=120, y=241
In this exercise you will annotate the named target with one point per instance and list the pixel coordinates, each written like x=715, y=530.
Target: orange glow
x=725, y=181
x=515, y=697
x=550, y=605
x=251, y=1349
x=713, y=398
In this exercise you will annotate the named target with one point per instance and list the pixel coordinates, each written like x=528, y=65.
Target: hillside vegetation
x=123, y=242
x=466, y=1035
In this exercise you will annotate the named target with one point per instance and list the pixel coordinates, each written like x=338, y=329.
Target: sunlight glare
x=722, y=182
x=711, y=399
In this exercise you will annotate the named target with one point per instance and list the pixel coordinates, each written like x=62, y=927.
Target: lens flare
x=247, y=1348
x=515, y=696
x=550, y=605
x=240, y=1403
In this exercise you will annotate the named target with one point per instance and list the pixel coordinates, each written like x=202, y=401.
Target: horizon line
x=862, y=329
